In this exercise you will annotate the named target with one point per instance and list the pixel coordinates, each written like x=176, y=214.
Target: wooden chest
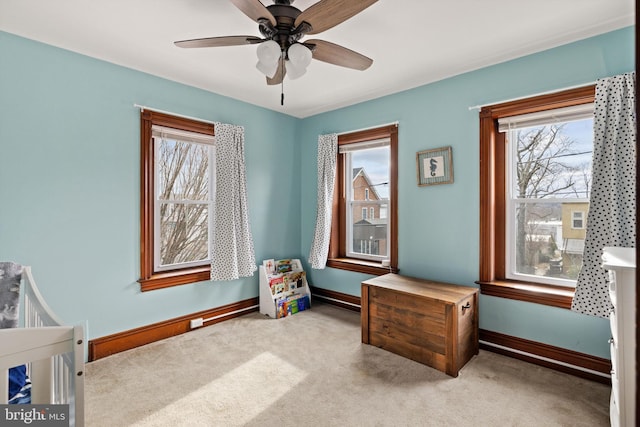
x=429, y=322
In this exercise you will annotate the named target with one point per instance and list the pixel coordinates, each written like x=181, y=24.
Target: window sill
x=167, y=279
x=555, y=296
x=360, y=266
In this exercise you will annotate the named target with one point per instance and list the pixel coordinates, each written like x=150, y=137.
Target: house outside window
x=365, y=202
x=534, y=169
x=177, y=179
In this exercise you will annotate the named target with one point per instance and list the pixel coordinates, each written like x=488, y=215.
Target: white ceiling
x=412, y=42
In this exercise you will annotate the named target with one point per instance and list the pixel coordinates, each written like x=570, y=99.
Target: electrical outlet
x=196, y=323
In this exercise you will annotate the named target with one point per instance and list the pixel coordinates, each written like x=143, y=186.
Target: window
x=383, y=212
x=177, y=195
x=184, y=172
x=366, y=183
x=577, y=220
x=548, y=166
x=534, y=169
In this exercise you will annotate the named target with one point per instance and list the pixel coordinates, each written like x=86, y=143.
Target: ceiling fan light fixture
x=299, y=58
x=299, y=55
x=268, y=56
x=293, y=71
x=268, y=70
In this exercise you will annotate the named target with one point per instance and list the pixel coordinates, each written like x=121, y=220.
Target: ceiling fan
x=282, y=26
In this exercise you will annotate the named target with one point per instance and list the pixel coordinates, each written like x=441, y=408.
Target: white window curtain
x=327, y=159
x=612, y=210
x=233, y=255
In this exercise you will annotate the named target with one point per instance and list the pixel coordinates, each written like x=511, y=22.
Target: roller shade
x=382, y=142
x=181, y=135
x=567, y=114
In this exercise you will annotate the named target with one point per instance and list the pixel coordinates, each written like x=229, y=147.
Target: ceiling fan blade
x=338, y=55
x=255, y=10
x=328, y=13
x=278, y=76
x=219, y=41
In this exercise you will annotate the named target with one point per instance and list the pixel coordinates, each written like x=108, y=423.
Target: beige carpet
x=311, y=369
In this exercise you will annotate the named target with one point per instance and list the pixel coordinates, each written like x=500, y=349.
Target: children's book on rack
x=284, y=289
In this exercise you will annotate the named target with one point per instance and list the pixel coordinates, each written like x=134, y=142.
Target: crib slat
x=42, y=381
x=43, y=315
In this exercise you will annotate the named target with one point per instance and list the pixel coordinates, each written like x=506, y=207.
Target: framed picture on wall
x=434, y=166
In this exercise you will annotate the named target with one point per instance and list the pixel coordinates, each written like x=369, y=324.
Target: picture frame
x=434, y=166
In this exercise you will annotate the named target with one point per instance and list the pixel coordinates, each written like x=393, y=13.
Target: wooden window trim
x=492, y=277
x=337, y=248
x=150, y=279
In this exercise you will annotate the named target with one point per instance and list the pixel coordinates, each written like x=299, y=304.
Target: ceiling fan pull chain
x=282, y=84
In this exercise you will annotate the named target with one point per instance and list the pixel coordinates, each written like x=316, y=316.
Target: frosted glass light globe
x=268, y=57
x=299, y=59
x=299, y=55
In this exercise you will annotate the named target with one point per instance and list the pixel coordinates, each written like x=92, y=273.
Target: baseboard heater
x=337, y=301
x=231, y=313
x=545, y=359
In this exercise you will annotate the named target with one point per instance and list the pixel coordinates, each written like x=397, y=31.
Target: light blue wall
x=69, y=183
x=438, y=226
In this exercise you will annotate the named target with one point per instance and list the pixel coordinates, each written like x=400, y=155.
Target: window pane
x=183, y=233
x=546, y=243
x=370, y=174
x=368, y=197
x=553, y=160
x=182, y=170
x=550, y=173
x=578, y=219
x=369, y=234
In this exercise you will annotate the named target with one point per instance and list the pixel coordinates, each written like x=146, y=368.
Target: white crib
x=53, y=352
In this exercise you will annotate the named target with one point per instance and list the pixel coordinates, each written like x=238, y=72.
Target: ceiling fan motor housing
x=284, y=32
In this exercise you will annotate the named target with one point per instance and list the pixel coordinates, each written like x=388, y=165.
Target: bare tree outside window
x=183, y=186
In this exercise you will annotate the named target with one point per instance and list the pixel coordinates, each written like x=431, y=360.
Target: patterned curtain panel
x=10, y=277
x=612, y=210
x=233, y=254
x=327, y=159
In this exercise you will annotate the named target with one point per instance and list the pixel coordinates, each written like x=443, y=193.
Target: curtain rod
x=370, y=127
x=143, y=107
x=477, y=107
